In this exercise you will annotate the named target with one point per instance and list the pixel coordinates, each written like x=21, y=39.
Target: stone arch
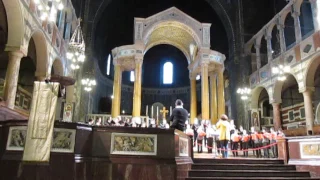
x=278, y=87
x=255, y=94
x=41, y=53
x=310, y=72
x=16, y=25
x=57, y=67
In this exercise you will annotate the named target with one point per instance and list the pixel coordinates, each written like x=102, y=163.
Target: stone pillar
x=269, y=47
x=213, y=98
x=137, y=91
x=315, y=6
x=193, y=99
x=276, y=116
x=297, y=28
x=258, y=58
x=12, y=75
x=280, y=27
x=115, y=111
x=204, y=90
x=307, y=97
x=221, y=100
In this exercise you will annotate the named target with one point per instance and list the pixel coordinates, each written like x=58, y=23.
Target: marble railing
x=105, y=117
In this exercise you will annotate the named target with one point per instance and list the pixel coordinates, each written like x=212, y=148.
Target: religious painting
x=183, y=146
x=134, y=144
x=255, y=119
x=67, y=112
x=63, y=140
x=310, y=150
x=17, y=138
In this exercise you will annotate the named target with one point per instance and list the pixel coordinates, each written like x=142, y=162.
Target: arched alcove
x=275, y=42
x=306, y=20
x=263, y=52
x=253, y=59
x=265, y=110
x=289, y=31
x=292, y=106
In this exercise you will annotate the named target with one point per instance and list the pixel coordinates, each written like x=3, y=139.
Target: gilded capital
x=204, y=62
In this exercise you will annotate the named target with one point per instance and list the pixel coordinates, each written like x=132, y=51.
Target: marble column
x=315, y=6
x=204, y=90
x=297, y=28
x=269, y=47
x=213, y=98
x=280, y=27
x=258, y=58
x=221, y=100
x=308, y=107
x=12, y=75
x=193, y=99
x=276, y=116
x=115, y=111
x=137, y=91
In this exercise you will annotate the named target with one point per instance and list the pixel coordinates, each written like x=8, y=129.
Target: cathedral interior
x=257, y=62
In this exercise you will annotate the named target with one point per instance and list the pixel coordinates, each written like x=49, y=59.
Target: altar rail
x=92, y=152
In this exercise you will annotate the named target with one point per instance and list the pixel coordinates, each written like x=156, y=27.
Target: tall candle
x=170, y=110
x=157, y=112
x=147, y=111
x=151, y=111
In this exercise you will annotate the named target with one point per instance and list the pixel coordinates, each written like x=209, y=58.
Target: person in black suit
x=179, y=116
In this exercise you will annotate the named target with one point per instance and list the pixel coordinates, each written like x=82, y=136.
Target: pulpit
x=80, y=151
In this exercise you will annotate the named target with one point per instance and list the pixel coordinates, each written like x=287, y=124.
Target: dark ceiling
x=115, y=28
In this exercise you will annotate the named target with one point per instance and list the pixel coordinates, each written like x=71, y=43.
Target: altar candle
x=147, y=111
x=170, y=110
x=151, y=111
x=157, y=112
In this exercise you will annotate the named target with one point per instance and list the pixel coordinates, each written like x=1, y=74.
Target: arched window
x=131, y=76
x=167, y=73
x=108, y=64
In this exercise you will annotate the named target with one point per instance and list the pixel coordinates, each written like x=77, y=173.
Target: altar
x=92, y=152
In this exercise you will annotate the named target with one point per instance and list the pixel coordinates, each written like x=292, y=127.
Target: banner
x=41, y=121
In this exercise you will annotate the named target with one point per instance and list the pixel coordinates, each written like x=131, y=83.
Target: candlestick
x=157, y=113
x=151, y=111
x=147, y=111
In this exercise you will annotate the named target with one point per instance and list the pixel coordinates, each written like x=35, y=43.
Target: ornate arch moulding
x=187, y=33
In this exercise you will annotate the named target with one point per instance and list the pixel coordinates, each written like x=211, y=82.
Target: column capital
x=138, y=60
x=280, y=26
x=17, y=54
x=212, y=74
x=295, y=14
x=267, y=37
x=204, y=62
x=192, y=76
x=307, y=89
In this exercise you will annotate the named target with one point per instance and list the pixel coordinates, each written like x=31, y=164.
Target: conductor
x=179, y=116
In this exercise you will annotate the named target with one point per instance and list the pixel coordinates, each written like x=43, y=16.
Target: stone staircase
x=244, y=169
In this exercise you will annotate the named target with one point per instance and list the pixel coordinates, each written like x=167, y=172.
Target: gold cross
x=164, y=112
